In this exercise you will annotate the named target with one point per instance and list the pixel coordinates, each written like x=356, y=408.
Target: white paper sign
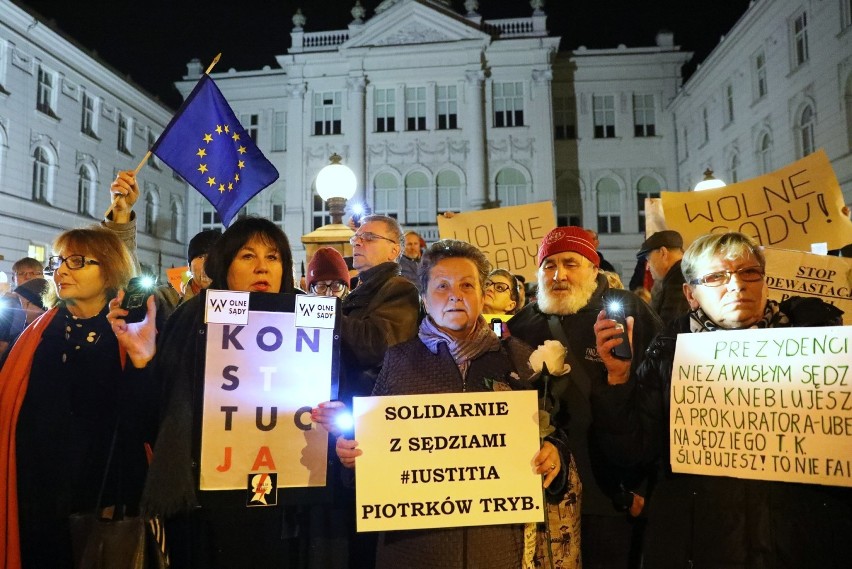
x=226, y=307
x=315, y=311
x=447, y=460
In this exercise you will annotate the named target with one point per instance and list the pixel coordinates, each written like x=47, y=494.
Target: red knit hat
x=327, y=264
x=572, y=238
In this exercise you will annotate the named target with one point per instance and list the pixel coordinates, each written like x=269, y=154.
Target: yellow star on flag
x=241, y=149
x=211, y=181
x=230, y=186
x=221, y=188
x=241, y=164
x=202, y=168
x=236, y=177
x=201, y=153
x=235, y=136
x=227, y=128
x=218, y=129
x=208, y=138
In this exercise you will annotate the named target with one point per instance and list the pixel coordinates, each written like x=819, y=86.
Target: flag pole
x=148, y=154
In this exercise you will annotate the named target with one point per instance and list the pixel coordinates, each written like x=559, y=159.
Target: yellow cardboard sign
x=509, y=236
x=764, y=404
x=447, y=460
x=789, y=208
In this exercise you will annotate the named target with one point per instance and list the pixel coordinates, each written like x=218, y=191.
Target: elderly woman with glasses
x=716, y=521
x=501, y=293
x=66, y=388
x=455, y=352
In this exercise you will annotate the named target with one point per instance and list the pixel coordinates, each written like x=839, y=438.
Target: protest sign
x=764, y=404
x=447, y=460
x=509, y=236
x=789, y=208
x=796, y=273
x=260, y=382
x=178, y=276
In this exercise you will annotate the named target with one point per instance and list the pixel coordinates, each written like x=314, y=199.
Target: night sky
x=151, y=41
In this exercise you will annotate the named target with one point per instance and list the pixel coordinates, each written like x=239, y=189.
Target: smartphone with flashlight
x=497, y=327
x=615, y=311
x=135, y=298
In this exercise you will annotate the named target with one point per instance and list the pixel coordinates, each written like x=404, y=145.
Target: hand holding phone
x=497, y=327
x=135, y=298
x=615, y=311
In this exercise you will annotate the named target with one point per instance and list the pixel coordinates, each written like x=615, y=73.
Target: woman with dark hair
x=63, y=388
x=501, y=293
x=455, y=351
x=211, y=530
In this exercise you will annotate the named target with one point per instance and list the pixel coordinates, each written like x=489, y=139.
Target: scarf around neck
x=480, y=340
x=772, y=318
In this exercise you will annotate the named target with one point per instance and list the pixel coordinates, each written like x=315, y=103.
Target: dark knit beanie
x=327, y=264
x=32, y=291
x=201, y=244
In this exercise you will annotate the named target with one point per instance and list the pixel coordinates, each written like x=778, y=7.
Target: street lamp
x=709, y=182
x=336, y=183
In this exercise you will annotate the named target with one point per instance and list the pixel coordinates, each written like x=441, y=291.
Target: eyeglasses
x=28, y=274
x=73, y=262
x=499, y=287
x=369, y=237
x=719, y=278
x=322, y=288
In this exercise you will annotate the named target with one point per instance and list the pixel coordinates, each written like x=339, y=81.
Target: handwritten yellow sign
x=764, y=404
x=447, y=460
x=790, y=208
x=509, y=236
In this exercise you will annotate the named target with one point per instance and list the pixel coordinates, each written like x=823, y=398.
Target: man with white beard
x=571, y=293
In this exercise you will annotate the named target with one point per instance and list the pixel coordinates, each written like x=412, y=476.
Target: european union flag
x=209, y=148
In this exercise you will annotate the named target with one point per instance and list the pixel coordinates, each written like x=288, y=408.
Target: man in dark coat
x=571, y=293
x=663, y=251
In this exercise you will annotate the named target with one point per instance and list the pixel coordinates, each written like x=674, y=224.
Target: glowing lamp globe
x=709, y=182
x=336, y=180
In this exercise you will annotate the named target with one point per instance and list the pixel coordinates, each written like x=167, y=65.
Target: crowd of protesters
x=79, y=383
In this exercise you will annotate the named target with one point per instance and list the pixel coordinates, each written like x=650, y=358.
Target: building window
x=125, y=133
x=569, y=204
x=386, y=195
x=646, y=188
x=685, y=143
x=321, y=215
x=85, y=191
x=327, y=113
x=609, y=206
x=447, y=107
x=729, y=103
x=603, y=112
x=764, y=154
x=643, y=116
x=89, y=121
x=276, y=213
x=512, y=187
x=384, y=106
x=509, y=104
x=705, y=121
x=564, y=118
x=733, y=169
x=46, y=94
x=176, y=225
x=279, y=131
x=4, y=64
x=210, y=218
x=251, y=123
x=38, y=252
x=152, y=160
x=760, y=85
x=415, y=108
x=806, y=131
x=800, y=39
x=41, y=175
x=449, y=191
x=151, y=210
x=418, y=200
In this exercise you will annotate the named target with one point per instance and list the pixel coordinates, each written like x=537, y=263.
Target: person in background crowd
x=612, y=279
x=409, y=259
x=501, y=293
x=717, y=521
x=64, y=388
x=604, y=264
x=383, y=310
x=208, y=530
x=571, y=292
x=26, y=269
x=456, y=352
x=328, y=274
x=522, y=291
x=663, y=251
x=196, y=255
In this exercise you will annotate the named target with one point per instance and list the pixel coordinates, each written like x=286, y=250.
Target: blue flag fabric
x=206, y=144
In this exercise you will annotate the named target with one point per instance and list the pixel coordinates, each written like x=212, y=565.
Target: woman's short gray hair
x=727, y=246
x=449, y=249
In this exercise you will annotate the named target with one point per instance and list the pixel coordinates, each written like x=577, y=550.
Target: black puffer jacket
x=715, y=521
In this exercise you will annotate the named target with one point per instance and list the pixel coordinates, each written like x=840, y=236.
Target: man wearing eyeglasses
x=663, y=252
x=26, y=269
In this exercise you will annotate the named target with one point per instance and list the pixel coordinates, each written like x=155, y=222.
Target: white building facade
x=68, y=124
x=776, y=88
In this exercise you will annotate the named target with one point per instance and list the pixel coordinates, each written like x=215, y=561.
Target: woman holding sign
x=210, y=530
x=455, y=352
x=710, y=520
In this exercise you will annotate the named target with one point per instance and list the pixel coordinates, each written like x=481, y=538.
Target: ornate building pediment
x=411, y=22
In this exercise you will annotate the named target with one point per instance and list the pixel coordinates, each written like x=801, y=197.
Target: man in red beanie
x=571, y=293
